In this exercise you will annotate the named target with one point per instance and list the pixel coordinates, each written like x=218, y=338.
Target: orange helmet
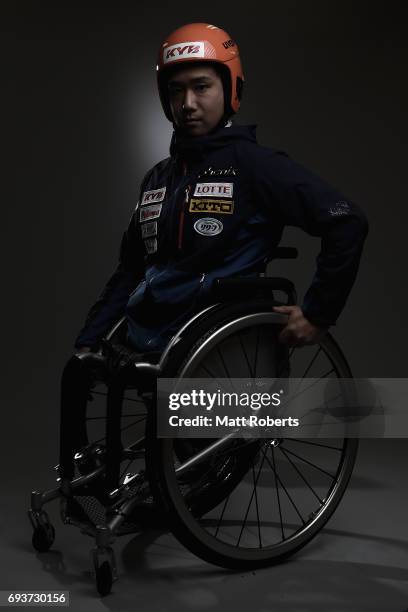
x=202, y=42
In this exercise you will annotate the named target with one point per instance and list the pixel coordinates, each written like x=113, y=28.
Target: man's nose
x=189, y=102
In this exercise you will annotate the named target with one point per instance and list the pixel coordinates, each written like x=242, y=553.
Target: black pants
x=78, y=377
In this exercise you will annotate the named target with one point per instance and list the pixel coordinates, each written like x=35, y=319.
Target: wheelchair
x=237, y=502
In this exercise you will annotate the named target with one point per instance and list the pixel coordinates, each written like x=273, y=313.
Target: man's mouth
x=191, y=120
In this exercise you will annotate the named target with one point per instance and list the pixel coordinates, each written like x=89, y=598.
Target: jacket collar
x=196, y=148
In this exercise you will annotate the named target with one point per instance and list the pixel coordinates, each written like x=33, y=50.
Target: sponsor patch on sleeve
x=214, y=190
x=223, y=207
x=150, y=212
x=151, y=245
x=153, y=196
x=149, y=229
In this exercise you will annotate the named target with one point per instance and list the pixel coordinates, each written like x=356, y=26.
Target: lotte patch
x=214, y=190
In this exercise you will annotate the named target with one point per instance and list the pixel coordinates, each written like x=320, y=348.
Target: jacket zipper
x=181, y=217
x=182, y=210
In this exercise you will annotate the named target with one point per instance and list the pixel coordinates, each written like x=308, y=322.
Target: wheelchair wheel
x=276, y=494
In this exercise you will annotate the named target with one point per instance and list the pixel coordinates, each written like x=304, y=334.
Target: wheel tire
x=43, y=537
x=159, y=456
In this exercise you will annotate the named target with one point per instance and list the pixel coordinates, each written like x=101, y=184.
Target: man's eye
x=202, y=87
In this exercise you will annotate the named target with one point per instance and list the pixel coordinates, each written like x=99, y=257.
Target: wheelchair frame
x=102, y=554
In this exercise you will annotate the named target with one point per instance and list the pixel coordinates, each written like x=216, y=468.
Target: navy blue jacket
x=217, y=207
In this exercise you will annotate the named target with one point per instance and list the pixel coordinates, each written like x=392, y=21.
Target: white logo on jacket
x=154, y=195
x=214, y=190
x=207, y=226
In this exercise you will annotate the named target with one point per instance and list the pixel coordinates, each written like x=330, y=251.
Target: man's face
x=196, y=99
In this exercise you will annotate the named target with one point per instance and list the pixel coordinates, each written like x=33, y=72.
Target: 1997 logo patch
x=207, y=226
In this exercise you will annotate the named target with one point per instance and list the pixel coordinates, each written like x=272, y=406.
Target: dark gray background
x=325, y=81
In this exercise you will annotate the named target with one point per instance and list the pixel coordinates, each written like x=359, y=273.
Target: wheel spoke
x=133, y=424
x=333, y=476
x=207, y=369
x=246, y=355
x=125, y=416
x=277, y=493
x=250, y=501
x=314, y=443
x=222, y=515
x=128, y=399
x=286, y=491
x=257, y=509
x=300, y=474
x=224, y=365
x=256, y=350
x=311, y=363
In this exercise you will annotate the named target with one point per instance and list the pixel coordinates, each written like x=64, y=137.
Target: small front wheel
x=104, y=578
x=43, y=537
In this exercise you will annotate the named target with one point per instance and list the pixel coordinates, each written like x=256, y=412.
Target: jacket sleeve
x=292, y=195
x=111, y=303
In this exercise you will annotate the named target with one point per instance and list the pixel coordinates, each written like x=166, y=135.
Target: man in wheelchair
x=215, y=208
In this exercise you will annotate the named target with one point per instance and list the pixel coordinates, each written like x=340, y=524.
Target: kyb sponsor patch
x=150, y=212
x=149, y=229
x=224, y=207
x=183, y=50
x=208, y=226
x=151, y=245
x=154, y=195
x=214, y=190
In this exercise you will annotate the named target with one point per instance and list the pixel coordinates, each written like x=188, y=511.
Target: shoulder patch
x=150, y=212
x=151, y=245
x=154, y=195
x=149, y=229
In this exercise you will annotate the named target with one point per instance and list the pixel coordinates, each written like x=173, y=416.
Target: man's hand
x=299, y=331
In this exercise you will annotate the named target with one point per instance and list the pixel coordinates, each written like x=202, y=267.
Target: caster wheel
x=43, y=537
x=104, y=578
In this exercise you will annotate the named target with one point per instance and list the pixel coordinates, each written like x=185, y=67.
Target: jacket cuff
x=317, y=319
